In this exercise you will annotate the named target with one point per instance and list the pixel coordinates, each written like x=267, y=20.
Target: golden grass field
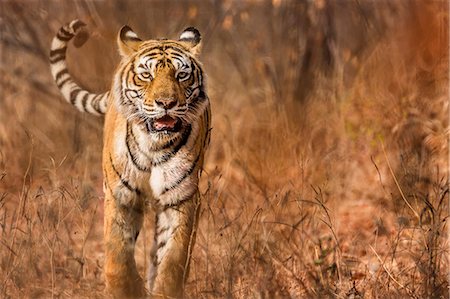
x=327, y=174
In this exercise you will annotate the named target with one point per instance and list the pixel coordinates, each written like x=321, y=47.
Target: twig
x=389, y=273
x=23, y=195
x=396, y=182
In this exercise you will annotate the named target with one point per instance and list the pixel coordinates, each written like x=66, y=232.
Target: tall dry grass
x=327, y=174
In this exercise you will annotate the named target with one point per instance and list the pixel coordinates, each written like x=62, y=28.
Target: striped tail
x=84, y=100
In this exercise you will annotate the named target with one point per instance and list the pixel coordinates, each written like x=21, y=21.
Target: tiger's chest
x=165, y=172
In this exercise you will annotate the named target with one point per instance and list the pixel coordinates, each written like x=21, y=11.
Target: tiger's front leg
x=175, y=233
x=124, y=211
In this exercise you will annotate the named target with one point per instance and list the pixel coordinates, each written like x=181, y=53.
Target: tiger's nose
x=166, y=103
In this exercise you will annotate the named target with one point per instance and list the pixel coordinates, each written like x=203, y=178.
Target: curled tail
x=84, y=100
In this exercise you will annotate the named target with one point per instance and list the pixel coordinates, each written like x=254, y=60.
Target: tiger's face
x=160, y=82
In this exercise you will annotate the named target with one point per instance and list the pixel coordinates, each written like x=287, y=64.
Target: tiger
x=156, y=131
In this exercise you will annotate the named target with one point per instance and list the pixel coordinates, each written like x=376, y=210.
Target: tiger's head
x=160, y=83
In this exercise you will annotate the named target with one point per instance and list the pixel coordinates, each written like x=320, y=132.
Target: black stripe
x=200, y=98
x=159, y=63
x=73, y=95
x=183, y=141
x=134, y=76
x=123, y=181
x=151, y=56
x=60, y=74
x=201, y=94
x=54, y=60
x=200, y=73
x=175, y=46
x=133, y=158
x=192, y=79
x=152, y=51
x=175, y=150
x=136, y=236
x=123, y=99
x=127, y=77
x=136, y=80
x=64, y=38
x=61, y=84
x=84, y=101
x=164, y=47
x=161, y=244
x=176, y=54
x=207, y=136
x=167, y=45
x=131, y=133
x=186, y=174
x=180, y=60
x=181, y=201
x=156, y=225
x=195, y=104
x=60, y=51
x=166, y=157
x=64, y=32
x=162, y=229
x=206, y=116
x=194, y=73
x=168, y=144
x=198, y=68
x=95, y=103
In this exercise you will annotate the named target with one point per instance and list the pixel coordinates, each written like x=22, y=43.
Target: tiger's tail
x=84, y=100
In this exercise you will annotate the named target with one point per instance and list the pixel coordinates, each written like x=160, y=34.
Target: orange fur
x=156, y=130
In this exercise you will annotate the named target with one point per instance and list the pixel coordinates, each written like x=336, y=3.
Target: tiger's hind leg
x=175, y=233
x=123, y=220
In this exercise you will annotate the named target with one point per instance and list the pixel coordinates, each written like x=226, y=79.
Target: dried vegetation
x=327, y=175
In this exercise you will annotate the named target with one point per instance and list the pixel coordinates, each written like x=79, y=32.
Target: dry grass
x=327, y=175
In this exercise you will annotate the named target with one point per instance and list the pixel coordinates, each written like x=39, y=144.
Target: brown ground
x=327, y=175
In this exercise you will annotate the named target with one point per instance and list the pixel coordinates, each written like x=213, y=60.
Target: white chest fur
x=172, y=182
x=176, y=179
x=158, y=181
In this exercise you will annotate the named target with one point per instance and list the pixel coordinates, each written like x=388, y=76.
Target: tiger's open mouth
x=165, y=123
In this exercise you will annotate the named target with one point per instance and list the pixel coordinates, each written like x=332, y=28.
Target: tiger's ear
x=191, y=38
x=128, y=41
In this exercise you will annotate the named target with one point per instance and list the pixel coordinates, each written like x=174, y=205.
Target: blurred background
x=327, y=173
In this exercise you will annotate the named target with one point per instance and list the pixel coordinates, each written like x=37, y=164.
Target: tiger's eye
x=182, y=75
x=146, y=75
